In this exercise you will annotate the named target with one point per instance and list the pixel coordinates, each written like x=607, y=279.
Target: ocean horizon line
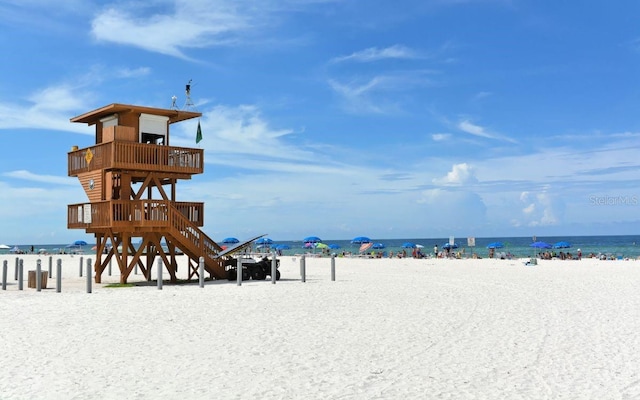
x=374, y=238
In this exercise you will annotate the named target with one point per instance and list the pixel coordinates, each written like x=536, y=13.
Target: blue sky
x=339, y=118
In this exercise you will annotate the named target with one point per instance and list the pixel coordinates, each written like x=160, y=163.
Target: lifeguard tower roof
x=92, y=117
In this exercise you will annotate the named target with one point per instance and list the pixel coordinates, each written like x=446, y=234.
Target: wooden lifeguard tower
x=130, y=177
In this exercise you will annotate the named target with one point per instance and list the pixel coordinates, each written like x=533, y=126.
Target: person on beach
x=435, y=251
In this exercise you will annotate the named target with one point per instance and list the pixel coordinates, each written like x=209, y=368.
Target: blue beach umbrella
x=312, y=239
x=378, y=246
x=562, y=245
x=360, y=240
x=80, y=243
x=448, y=246
x=540, y=245
x=408, y=245
x=495, y=245
x=334, y=246
x=230, y=240
x=264, y=240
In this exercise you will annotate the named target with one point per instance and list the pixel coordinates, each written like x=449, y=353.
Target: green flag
x=198, y=134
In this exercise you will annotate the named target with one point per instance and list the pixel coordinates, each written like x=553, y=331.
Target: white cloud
x=50, y=179
x=375, y=54
x=477, y=130
x=39, y=205
x=240, y=137
x=473, y=129
x=184, y=25
x=481, y=95
x=48, y=108
x=440, y=137
x=540, y=209
x=357, y=97
x=460, y=174
x=132, y=72
x=374, y=95
x=529, y=209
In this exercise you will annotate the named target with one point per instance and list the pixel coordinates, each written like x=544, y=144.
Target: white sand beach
x=385, y=329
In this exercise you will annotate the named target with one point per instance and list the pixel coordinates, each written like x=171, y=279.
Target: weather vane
x=188, y=103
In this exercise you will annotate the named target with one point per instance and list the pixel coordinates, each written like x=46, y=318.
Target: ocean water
x=615, y=246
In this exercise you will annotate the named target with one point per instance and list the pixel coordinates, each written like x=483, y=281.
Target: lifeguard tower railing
x=129, y=215
x=179, y=221
x=136, y=157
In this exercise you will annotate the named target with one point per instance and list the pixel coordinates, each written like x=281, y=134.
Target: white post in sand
x=88, y=275
x=333, y=267
x=239, y=270
x=110, y=260
x=274, y=268
x=159, y=273
x=38, y=276
x=301, y=264
x=201, y=271
x=20, y=275
x=59, y=276
x=81, y=266
x=4, y=275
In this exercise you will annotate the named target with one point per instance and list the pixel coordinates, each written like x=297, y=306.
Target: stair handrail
x=193, y=235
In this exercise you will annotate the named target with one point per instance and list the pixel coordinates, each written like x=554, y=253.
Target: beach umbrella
x=264, y=240
x=408, y=245
x=282, y=247
x=42, y=251
x=419, y=246
x=540, y=245
x=312, y=239
x=230, y=240
x=448, y=246
x=4, y=247
x=14, y=249
x=334, y=246
x=360, y=240
x=378, y=246
x=80, y=243
x=495, y=245
x=365, y=246
x=321, y=246
x=562, y=245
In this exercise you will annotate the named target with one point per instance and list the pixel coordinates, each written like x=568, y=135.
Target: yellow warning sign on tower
x=88, y=156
